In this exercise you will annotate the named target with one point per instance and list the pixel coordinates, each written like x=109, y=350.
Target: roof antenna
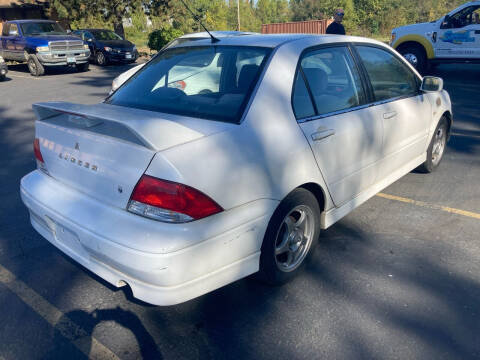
x=214, y=39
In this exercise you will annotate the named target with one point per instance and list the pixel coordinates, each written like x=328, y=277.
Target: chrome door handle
x=319, y=135
x=389, y=115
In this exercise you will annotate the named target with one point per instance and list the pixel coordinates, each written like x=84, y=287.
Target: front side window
x=13, y=31
x=463, y=18
x=332, y=79
x=389, y=76
x=210, y=82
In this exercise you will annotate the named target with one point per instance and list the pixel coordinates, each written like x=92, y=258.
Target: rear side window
x=210, y=82
x=332, y=80
x=389, y=76
x=302, y=103
x=13, y=30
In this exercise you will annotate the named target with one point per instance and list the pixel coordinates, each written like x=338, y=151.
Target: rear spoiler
x=88, y=118
x=153, y=130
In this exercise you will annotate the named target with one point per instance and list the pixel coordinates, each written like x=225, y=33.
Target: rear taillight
x=169, y=201
x=38, y=156
x=36, y=150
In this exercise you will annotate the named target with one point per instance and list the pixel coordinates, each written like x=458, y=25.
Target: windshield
x=42, y=28
x=210, y=82
x=105, y=35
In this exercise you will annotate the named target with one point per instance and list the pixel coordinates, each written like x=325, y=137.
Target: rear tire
x=34, y=66
x=436, y=149
x=415, y=56
x=291, y=237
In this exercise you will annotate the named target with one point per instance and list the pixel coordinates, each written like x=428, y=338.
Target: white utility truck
x=453, y=38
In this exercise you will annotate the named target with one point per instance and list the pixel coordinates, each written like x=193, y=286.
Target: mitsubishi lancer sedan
x=176, y=193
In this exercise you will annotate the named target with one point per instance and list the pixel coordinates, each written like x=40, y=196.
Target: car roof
x=32, y=20
x=275, y=40
x=93, y=30
x=216, y=33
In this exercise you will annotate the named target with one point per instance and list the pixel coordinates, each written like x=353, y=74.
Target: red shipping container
x=298, y=27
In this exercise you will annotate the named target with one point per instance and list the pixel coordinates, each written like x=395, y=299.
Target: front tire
x=83, y=67
x=100, y=59
x=415, y=56
x=34, y=66
x=436, y=148
x=291, y=237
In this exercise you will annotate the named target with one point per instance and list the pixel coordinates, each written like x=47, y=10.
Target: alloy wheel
x=32, y=67
x=294, y=238
x=412, y=59
x=439, y=142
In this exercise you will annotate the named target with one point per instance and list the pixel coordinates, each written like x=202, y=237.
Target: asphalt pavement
x=398, y=278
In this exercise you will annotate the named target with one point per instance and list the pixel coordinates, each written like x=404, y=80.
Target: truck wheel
x=101, y=59
x=83, y=67
x=415, y=56
x=34, y=66
x=436, y=148
x=290, y=239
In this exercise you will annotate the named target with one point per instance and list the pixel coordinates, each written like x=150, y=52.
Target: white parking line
x=86, y=343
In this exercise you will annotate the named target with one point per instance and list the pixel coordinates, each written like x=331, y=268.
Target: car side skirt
x=330, y=217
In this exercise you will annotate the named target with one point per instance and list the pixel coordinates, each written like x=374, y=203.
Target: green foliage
x=272, y=11
x=157, y=39
x=372, y=18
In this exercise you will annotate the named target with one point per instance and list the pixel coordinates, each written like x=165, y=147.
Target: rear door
x=329, y=102
x=403, y=110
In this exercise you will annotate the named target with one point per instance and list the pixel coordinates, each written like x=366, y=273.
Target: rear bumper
x=164, y=264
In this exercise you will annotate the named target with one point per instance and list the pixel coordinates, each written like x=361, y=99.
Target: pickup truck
x=453, y=38
x=42, y=43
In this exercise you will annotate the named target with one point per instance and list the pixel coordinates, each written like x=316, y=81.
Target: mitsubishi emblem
x=77, y=146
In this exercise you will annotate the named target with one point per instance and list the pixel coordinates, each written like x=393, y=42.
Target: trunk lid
x=103, y=150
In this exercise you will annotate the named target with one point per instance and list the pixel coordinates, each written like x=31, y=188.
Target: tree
x=110, y=11
x=272, y=11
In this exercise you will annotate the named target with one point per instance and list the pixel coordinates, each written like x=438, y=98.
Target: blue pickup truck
x=42, y=43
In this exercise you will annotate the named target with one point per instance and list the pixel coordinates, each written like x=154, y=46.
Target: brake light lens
x=38, y=156
x=36, y=150
x=169, y=201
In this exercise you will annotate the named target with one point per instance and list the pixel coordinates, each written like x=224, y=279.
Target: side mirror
x=69, y=31
x=89, y=39
x=432, y=84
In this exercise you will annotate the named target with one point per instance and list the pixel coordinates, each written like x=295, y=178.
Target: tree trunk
x=118, y=28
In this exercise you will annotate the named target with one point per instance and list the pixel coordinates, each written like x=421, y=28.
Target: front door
x=404, y=110
x=330, y=105
x=459, y=35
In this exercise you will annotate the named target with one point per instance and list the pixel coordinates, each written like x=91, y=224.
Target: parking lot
x=398, y=278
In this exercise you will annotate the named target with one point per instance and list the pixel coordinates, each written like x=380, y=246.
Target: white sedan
x=179, y=193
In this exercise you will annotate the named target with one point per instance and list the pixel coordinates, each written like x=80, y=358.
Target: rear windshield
x=209, y=82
